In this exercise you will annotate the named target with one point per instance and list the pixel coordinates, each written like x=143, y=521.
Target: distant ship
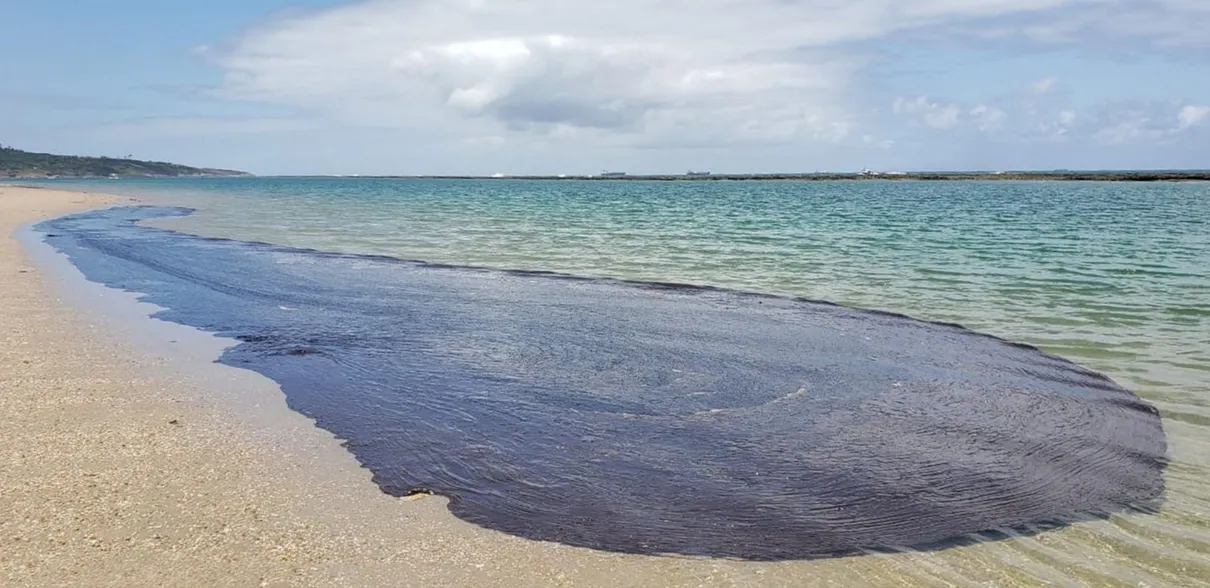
x=609, y=174
x=697, y=173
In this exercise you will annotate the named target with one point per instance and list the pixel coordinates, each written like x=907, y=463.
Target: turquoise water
x=1115, y=276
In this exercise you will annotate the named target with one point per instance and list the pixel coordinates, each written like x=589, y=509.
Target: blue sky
x=563, y=86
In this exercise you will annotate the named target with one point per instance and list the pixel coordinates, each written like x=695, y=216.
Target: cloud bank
x=681, y=74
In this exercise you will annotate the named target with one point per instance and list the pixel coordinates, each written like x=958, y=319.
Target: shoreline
x=101, y=488
x=135, y=461
x=124, y=473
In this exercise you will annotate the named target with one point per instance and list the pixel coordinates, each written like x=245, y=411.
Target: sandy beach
x=130, y=458
x=112, y=478
x=121, y=468
x=119, y=471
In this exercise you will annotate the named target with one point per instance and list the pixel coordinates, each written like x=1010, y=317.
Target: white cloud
x=1150, y=122
x=1043, y=86
x=988, y=118
x=1191, y=116
x=1058, y=128
x=1051, y=126
x=934, y=115
x=1126, y=131
x=706, y=71
x=516, y=81
x=1112, y=123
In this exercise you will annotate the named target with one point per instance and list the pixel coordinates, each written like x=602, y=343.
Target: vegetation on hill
x=15, y=163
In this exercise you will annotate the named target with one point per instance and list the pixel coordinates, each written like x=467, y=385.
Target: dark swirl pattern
x=645, y=417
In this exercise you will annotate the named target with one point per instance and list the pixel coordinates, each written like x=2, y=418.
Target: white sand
x=118, y=470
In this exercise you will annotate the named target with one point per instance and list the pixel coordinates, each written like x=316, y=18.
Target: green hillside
x=15, y=163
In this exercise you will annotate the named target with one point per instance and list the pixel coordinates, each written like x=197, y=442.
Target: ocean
x=504, y=385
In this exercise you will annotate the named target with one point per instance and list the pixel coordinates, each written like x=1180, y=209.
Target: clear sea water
x=1115, y=276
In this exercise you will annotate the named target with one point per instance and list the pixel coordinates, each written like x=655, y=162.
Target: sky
x=643, y=86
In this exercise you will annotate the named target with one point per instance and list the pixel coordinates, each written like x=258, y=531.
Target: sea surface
x=1112, y=276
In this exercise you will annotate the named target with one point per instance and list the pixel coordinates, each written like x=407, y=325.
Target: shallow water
x=648, y=418
x=1113, y=276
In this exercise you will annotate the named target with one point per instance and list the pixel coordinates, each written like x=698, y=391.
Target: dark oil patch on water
x=650, y=418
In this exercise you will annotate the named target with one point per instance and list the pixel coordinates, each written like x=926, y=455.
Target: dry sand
x=117, y=468
x=111, y=476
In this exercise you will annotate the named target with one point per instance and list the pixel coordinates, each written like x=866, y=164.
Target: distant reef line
x=18, y=164
x=1073, y=176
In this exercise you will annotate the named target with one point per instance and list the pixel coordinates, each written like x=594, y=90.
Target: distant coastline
x=26, y=165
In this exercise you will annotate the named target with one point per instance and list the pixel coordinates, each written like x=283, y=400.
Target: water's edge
x=182, y=354
x=669, y=288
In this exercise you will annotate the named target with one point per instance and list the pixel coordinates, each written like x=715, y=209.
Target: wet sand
x=121, y=466
x=118, y=471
